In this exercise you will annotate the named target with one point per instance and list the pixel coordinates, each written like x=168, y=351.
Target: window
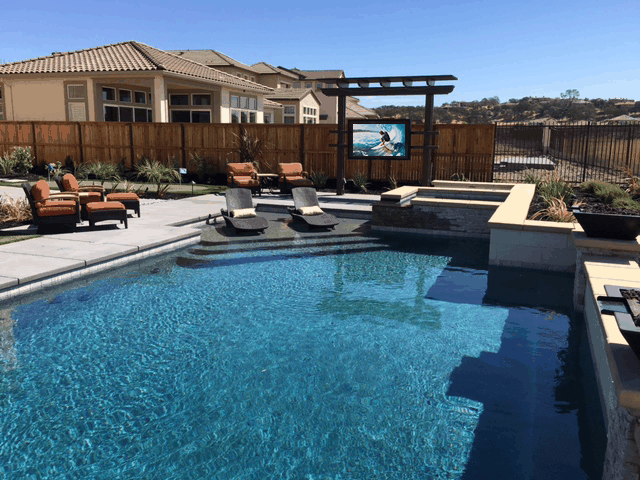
x=77, y=112
x=142, y=115
x=245, y=102
x=108, y=94
x=289, y=110
x=253, y=103
x=181, y=116
x=201, y=99
x=235, y=116
x=296, y=84
x=289, y=119
x=235, y=101
x=203, y=116
x=244, y=117
x=140, y=97
x=252, y=117
x=268, y=118
x=124, y=96
x=75, y=92
x=308, y=85
x=126, y=114
x=318, y=85
x=179, y=99
x=309, y=120
x=324, y=116
x=111, y=114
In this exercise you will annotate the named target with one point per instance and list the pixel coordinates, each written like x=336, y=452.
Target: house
x=623, y=120
x=299, y=105
x=355, y=110
x=126, y=82
x=220, y=61
x=313, y=79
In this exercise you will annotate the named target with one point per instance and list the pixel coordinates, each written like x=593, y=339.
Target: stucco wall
x=310, y=102
x=35, y=100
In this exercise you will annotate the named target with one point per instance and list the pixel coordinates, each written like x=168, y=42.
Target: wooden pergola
x=366, y=86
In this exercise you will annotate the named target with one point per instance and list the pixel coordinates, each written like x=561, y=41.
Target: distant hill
x=527, y=109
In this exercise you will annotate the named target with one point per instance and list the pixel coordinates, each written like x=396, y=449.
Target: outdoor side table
x=267, y=181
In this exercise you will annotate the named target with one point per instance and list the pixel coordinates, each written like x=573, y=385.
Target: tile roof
x=355, y=110
x=271, y=104
x=266, y=68
x=314, y=74
x=211, y=58
x=127, y=57
x=290, y=94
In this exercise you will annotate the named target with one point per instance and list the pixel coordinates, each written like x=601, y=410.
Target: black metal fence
x=576, y=153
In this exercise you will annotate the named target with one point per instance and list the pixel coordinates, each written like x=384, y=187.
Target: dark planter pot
x=606, y=225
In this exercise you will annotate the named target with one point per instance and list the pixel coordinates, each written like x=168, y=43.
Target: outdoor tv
x=380, y=139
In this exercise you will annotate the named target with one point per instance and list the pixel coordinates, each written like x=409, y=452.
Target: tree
x=570, y=94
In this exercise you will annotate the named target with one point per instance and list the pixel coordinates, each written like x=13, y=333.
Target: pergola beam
x=378, y=91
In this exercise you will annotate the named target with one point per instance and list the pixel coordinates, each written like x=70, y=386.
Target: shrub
x=549, y=189
x=360, y=181
x=19, y=161
x=250, y=149
x=319, y=179
x=393, y=183
x=556, y=211
x=611, y=194
x=14, y=209
x=104, y=172
x=154, y=171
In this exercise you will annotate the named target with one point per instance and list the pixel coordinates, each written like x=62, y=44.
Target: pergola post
x=427, y=159
x=342, y=125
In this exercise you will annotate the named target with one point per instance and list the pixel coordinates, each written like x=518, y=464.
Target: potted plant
x=607, y=211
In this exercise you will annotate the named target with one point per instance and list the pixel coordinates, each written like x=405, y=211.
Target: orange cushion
x=246, y=181
x=114, y=197
x=70, y=183
x=52, y=208
x=240, y=169
x=88, y=197
x=290, y=169
x=96, y=206
x=40, y=191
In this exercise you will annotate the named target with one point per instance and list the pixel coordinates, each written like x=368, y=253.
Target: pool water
x=373, y=358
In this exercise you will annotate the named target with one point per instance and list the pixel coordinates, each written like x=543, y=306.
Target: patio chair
x=243, y=175
x=96, y=193
x=308, y=210
x=291, y=175
x=240, y=213
x=52, y=208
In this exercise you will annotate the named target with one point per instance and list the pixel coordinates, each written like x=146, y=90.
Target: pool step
x=253, y=252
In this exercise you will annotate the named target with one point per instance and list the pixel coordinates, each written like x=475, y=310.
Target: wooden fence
x=462, y=149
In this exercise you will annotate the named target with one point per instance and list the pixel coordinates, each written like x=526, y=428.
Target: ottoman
x=131, y=201
x=100, y=211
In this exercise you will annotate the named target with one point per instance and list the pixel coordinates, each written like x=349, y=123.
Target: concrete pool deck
x=50, y=259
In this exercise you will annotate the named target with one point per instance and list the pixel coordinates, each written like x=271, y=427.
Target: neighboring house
x=276, y=77
x=300, y=105
x=313, y=79
x=273, y=112
x=623, y=120
x=220, y=61
x=355, y=110
x=126, y=82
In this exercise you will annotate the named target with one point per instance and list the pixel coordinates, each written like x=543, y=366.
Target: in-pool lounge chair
x=291, y=175
x=243, y=175
x=308, y=210
x=240, y=213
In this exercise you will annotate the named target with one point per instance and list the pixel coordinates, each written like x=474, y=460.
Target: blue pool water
x=362, y=360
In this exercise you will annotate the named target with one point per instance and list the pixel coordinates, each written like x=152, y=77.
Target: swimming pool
x=359, y=358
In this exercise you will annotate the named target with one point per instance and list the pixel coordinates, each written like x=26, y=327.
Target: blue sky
x=507, y=49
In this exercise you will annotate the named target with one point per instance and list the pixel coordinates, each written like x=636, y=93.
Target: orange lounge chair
x=95, y=193
x=243, y=175
x=52, y=209
x=292, y=175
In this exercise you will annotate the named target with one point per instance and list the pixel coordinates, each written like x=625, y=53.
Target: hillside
x=527, y=109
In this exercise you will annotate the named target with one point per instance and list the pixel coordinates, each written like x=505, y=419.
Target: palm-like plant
x=162, y=175
x=250, y=149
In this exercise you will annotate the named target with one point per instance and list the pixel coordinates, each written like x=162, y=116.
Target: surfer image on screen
x=385, y=136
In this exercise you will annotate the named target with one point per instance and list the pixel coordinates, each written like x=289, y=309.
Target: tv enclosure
x=380, y=139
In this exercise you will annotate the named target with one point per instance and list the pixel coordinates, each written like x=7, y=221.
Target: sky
x=507, y=49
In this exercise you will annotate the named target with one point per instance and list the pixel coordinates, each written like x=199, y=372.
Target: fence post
x=586, y=152
x=493, y=157
x=629, y=145
x=302, y=147
x=80, y=142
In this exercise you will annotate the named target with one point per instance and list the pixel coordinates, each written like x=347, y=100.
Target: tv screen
x=378, y=139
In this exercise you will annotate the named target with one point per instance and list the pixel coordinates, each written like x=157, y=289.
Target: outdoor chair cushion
x=70, y=183
x=98, y=206
x=40, y=191
x=88, y=197
x=243, y=213
x=314, y=210
x=242, y=175
x=50, y=208
x=118, y=197
x=291, y=170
